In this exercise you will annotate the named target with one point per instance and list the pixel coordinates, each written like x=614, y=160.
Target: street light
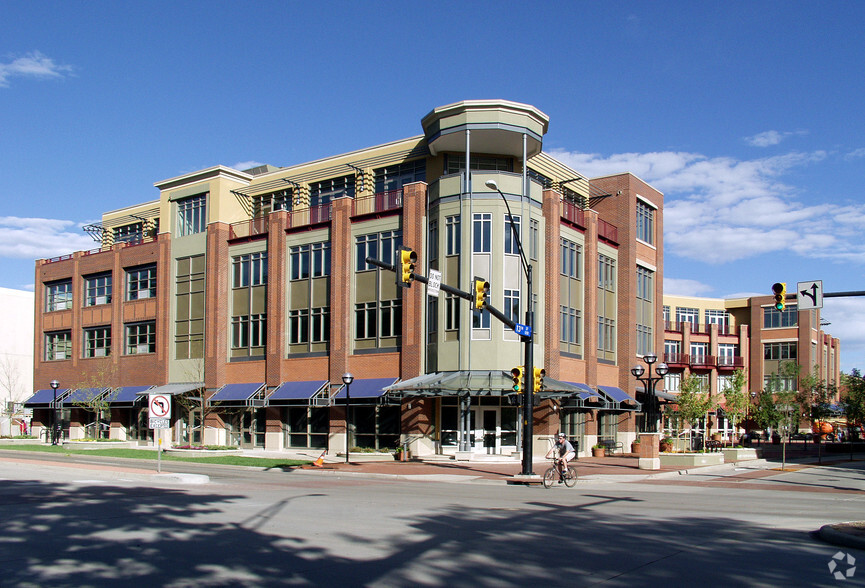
x=649, y=383
x=54, y=385
x=528, y=361
x=347, y=379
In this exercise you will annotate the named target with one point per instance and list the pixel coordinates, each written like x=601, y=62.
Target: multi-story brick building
x=250, y=290
x=709, y=338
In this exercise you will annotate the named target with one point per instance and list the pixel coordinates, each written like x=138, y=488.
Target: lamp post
x=347, y=379
x=54, y=385
x=649, y=382
x=528, y=360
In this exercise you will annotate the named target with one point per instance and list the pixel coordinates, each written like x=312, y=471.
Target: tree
x=89, y=394
x=10, y=380
x=736, y=399
x=853, y=398
x=776, y=407
x=815, y=396
x=694, y=402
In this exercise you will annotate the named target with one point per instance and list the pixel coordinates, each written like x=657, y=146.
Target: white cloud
x=716, y=209
x=32, y=65
x=245, y=165
x=685, y=287
x=769, y=138
x=846, y=316
x=41, y=238
x=855, y=154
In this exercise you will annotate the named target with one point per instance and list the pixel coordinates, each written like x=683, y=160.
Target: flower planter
x=598, y=452
x=691, y=459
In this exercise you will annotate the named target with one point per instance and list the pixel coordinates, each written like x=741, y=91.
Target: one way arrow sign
x=809, y=295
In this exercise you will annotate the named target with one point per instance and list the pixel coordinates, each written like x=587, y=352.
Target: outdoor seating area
x=611, y=446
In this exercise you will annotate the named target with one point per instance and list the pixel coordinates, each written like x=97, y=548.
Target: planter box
x=99, y=444
x=691, y=459
x=203, y=452
x=365, y=457
x=739, y=454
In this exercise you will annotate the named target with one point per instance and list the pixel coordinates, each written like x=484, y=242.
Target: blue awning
x=586, y=391
x=296, y=391
x=44, y=398
x=127, y=394
x=249, y=394
x=617, y=395
x=83, y=396
x=371, y=388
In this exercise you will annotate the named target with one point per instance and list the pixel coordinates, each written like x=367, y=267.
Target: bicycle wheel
x=549, y=477
x=571, y=477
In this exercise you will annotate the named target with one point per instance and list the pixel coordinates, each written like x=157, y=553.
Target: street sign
x=159, y=406
x=523, y=330
x=434, y=282
x=809, y=295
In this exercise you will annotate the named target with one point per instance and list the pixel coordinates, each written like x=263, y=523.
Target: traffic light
x=517, y=377
x=779, y=289
x=481, y=289
x=405, y=260
x=538, y=380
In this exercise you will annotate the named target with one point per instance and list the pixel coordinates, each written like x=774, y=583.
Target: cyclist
x=564, y=450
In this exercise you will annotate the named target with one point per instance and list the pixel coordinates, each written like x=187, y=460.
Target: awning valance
x=247, y=394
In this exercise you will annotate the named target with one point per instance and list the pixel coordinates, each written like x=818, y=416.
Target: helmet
x=561, y=435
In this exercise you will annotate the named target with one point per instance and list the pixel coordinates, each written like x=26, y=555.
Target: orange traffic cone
x=320, y=461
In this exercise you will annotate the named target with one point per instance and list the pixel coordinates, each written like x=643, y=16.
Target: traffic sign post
x=809, y=295
x=159, y=409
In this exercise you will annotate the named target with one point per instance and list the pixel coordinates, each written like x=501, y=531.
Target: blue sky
x=747, y=115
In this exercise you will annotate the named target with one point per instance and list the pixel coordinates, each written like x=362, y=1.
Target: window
x=779, y=351
x=263, y=204
x=129, y=233
x=534, y=238
x=191, y=215
x=306, y=426
x=512, y=235
x=570, y=325
x=379, y=246
x=606, y=307
x=376, y=427
x=724, y=383
x=512, y=305
x=58, y=345
x=249, y=270
x=394, y=177
x=570, y=258
x=481, y=319
x=606, y=335
x=606, y=273
x=365, y=320
x=309, y=316
x=645, y=284
x=699, y=349
x=452, y=228
x=452, y=312
x=645, y=342
x=320, y=325
x=666, y=310
x=189, y=305
x=97, y=342
x=298, y=326
x=391, y=318
x=141, y=282
x=773, y=319
x=433, y=241
x=727, y=350
x=645, y=222
x=717, y=317
x=483, y=227
x=457, y=163
x=97, y=290
x=141, y=338
x=325, y=191
x=58, y=296
x=688, y=315
x=249, y=305
x=672, y=382
x=645, y=310
x=672, y=347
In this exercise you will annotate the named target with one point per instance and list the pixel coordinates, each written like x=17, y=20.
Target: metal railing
x=379, y=202
x=608, y=231
x=573, y=213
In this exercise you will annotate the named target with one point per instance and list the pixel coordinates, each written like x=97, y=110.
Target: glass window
x=97, y=342
x=773, y=319
x=534, y=238
x=645, y=222
x=433, y=241
x=191, y=215
x=645, y=284
x=141, y=282
x=452, y=226
x=58, y=345
x=141, y=338
x=452, y=312
x=457, y=163
x=606, y=273
x=58, y=296
x=250, y=269
x=327, y=190
x=570, y=318
x=97, y=290
x=129, y=233
x=512, y=235
x=483, y=223
x=570, y=253
x=394, y=177
x=512, y=305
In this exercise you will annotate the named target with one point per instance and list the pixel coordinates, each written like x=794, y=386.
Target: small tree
x=853, y=398
x=694, y=403
x=776, y=407
x=815, y=396
x=90, y=396
x=736, y=399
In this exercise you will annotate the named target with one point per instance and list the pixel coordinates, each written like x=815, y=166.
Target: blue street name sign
x=523, y=330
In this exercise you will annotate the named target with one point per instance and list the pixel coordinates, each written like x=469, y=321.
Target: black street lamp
x=54, y=385
x=528, y=361
x=347, y=379
x=649, y=383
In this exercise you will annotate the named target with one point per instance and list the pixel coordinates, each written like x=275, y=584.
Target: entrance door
x=485, y=427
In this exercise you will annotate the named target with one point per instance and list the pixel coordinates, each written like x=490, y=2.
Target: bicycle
x=569, y=478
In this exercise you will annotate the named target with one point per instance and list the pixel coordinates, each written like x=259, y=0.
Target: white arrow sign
x=809, y=295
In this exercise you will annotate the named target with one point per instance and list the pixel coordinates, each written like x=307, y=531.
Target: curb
x=836, y=535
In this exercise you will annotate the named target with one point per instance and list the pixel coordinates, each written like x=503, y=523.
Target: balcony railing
x=677, y=358
x=705, y=361
x=248, y=228
x=608, y=231
x=728, y=362
x=573, y=213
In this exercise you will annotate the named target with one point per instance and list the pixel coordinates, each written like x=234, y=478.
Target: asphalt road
x=85, y=523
